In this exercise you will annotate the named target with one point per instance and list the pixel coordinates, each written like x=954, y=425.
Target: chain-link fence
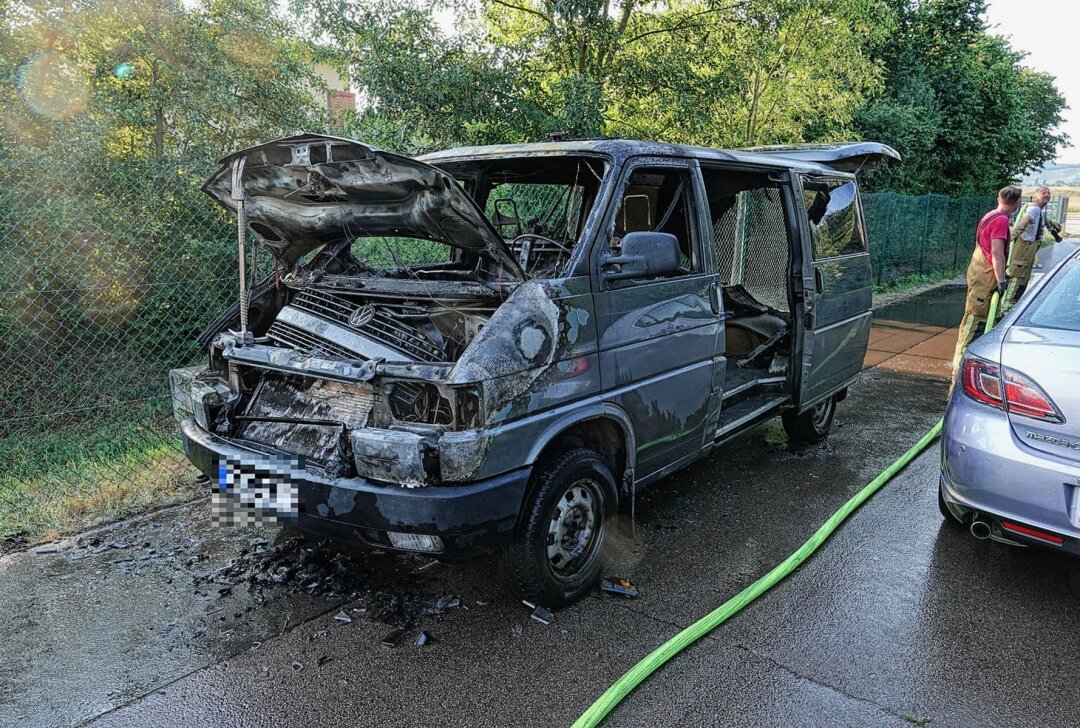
x=932, y=234
x=1057, y=209
x=109, y=273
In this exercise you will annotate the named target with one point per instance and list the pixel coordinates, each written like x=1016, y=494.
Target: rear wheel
x=558, y=551
x=813, y=425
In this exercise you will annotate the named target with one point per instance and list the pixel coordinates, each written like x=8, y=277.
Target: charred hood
x=308, y=190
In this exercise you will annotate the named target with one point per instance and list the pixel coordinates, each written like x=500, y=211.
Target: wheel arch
x=606, y=429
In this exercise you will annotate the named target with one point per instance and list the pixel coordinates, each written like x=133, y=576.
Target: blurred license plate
x=264, y=486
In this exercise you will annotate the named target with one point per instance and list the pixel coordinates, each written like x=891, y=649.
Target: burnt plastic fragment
x=543, y=616
x=393, y=638
x=423, y=639
x=619, y=586
x=342, y=617
x=448, y=602
x=297, y=666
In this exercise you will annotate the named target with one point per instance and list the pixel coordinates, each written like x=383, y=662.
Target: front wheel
x=813, y=425
x=557, y=554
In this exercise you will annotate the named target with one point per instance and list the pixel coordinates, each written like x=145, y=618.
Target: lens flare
x=53, y=86
x=124, y=71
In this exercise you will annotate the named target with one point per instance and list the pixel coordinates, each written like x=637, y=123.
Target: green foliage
x=958, y=105
x=140, y=79
x=708, y=72
x=112, y=269
x=922, y=75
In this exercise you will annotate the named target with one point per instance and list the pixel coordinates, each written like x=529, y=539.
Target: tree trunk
x=159, y=117
x=159, y=134
x=751, y=117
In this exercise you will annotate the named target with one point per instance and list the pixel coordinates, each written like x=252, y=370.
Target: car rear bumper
x=986, y=469
x=469, y=518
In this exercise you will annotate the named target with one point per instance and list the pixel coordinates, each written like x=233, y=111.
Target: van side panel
x=656, y=360
x=848, y=289
x=841, y=325
x=839, y=285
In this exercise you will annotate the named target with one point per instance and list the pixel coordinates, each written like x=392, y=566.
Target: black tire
x=813, y=425
x=557, y=555
x=946, y=513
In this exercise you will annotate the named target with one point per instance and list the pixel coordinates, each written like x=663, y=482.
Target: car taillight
x=1025, y=397
x=982, y=381
x=1006, y=388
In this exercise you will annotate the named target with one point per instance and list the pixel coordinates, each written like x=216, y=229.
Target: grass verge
x=65, y=477
x=915, y=280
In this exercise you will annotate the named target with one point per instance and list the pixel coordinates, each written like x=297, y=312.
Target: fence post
x=885, y=235
x=925, y=232
x=959, y=234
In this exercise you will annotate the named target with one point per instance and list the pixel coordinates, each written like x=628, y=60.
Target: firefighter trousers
x=981, y=285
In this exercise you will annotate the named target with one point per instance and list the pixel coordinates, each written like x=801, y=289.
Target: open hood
x=304, y=191
x=842, y=156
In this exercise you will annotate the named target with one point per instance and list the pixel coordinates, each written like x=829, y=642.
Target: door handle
x=714, y=298
x=819, y=280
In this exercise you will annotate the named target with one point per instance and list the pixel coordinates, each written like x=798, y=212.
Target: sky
x=1041, y=29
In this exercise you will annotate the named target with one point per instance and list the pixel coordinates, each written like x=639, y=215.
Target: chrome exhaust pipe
x=980, y=529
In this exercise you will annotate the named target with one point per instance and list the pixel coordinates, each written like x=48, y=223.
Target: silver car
x=1010, y=446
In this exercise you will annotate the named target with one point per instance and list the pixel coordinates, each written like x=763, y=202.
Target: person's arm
x=997, y=255
x=1021, y=225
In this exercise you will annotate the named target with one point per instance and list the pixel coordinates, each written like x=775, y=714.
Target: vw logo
x=362, y=316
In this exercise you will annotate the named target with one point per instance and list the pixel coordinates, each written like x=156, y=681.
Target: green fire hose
x=655, y=659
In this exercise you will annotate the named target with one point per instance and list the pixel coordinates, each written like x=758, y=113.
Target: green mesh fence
x=932, y=234
x=111, y=271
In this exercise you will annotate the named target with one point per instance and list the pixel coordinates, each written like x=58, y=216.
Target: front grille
x=295, y=398
x=384, y=326
x=285, y=334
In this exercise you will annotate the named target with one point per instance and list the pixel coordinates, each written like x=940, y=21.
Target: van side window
x=750, y=233
x=656, y=199
x=835, y=225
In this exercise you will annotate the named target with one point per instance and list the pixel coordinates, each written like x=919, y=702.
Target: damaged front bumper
x=467, y=519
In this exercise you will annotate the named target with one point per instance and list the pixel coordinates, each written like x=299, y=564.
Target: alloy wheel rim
x=820, y=414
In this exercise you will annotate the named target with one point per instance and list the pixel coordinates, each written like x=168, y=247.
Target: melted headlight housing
x=427, y=403
x=420, y=403
x=198, y=392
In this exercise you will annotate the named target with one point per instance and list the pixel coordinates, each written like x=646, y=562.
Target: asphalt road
x=898, y=620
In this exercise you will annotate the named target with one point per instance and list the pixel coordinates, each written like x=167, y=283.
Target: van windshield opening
x=539, y=205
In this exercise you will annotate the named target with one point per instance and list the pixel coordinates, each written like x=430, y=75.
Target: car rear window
x=1058, y=304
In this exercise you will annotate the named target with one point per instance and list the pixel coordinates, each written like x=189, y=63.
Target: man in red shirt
x=986, y=271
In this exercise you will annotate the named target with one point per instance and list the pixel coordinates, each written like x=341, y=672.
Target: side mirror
x=644, y=254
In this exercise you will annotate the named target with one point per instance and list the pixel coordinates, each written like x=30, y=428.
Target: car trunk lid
x=1049, y=358
x=308, y=190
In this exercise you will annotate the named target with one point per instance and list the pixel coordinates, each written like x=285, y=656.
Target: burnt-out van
x=496, y=347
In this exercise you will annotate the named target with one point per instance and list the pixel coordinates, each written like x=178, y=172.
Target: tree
x=420, y=88
x=152, y=78
x=724, y=72
x=958, y=105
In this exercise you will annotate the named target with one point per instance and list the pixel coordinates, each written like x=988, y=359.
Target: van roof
x=807, y=157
